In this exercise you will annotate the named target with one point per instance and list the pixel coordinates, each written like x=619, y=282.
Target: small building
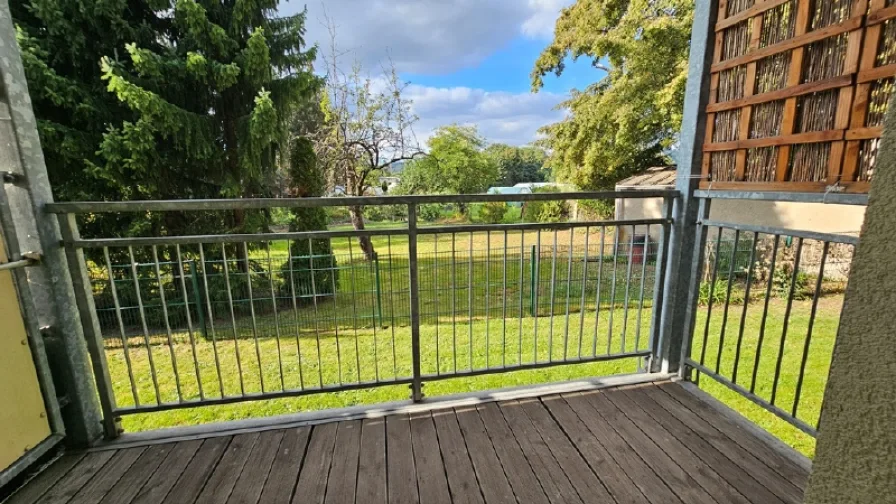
x=517, y=189
x=818, y=217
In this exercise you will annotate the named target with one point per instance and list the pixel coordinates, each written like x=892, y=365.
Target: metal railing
x=185, y=321
x=766, y=311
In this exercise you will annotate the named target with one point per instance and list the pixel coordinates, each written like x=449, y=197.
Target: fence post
x=417, y=384
x=675, y=323
x=198, y=296
x=660, y=271
x=533, y=281
x=91, y=325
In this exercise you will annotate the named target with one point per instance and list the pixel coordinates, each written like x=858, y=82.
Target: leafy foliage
x=545, y=211
x=493, y=212
x=625, y=122
x=456, y=164
x=518, y=164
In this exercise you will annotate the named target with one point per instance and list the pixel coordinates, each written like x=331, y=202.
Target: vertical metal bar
x=628, y=283
x=392, y=304
x=183, y=289
x=152, y=364
x=787, y=311
x=522, y=289
x=376, y=320
x=504, y=304
x=572, y=235
x=236, y=338
x=488, y=267
x=645, y=255
x=768, y=297
x=295, y=311
x=454, y=299
x=417, y=384
x=727, y=298
x=379, y=295
x=351, y=260
x=333, y=269
x=536, y=288
x=211, y=320
x=808, y=341
x=533, y=285
x=87, y=311
x=712, y=291
x=320, y=368
x=197, y=296
x=436, y=288
x=124, y=337
x=613, y=292
x=664, y=343
x=155, y=261
x=470, y=300
x=600, y=272
x=584, y=284
x=743, y=313
x=553, y=283
x=252, y=314
x=267, y=248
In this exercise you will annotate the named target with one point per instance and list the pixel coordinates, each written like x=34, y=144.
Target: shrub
x=546, y=211
x=493, y=212
x=430, y=212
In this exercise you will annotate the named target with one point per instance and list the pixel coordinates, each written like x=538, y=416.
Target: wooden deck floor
x=647, y=444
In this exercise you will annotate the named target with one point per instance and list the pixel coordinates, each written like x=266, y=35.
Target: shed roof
x=509, y=190
x=652, y=178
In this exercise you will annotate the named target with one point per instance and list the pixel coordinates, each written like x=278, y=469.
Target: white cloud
x=512, y=118
x=544, y=15
x=427, y=36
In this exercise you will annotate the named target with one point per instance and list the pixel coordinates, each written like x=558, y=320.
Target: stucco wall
x=818, y=217
x=855, y=459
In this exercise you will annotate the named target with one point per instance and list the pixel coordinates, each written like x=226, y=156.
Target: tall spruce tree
x=212, y=101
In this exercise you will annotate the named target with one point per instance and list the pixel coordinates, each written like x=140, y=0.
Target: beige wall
x=818, y=217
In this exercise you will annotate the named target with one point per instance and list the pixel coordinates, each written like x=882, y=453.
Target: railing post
x=417, y=384
x=92, y=332
x=679, y=273
x=659, y=295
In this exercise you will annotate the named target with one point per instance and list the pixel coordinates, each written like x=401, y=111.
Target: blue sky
x=467, y=61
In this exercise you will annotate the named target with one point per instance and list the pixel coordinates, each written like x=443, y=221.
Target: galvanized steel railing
x=185, y=321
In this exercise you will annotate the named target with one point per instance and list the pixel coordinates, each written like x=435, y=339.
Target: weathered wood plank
x=64, y=489
x=672, y=474
x=220, y=483
x=648, y=482
x=745, y=482
x=628, y=402
x=586, y=483
x=489, y=472
x=400, y=460
x=458, y=466
x=312, y=486
x=46, y=480
x=344, y=470
x=748, y=451
x=197, y=472
x=131, y=483
x=431, y=478
x=519, y=473
x=372, y=465
x=251, y=481
x=552, y=477
x=285, y=471
x=174, y=465
x=104, y=480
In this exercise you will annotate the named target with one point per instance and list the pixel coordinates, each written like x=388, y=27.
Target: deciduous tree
x=628, y=120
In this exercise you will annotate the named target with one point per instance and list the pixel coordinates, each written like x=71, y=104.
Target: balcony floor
x=641, y=444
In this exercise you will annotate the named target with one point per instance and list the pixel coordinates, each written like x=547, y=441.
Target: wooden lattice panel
x=798, y=93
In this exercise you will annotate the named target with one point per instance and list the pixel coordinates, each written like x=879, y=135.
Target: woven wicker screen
x=798, y=93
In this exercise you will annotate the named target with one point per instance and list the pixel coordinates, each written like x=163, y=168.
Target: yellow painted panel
x=23, y=416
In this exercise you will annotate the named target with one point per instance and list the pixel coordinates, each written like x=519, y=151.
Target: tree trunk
x=363, y=241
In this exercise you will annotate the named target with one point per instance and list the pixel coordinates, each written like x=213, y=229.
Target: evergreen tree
x=212, y=101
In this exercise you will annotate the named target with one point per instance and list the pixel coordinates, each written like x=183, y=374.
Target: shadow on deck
x=638, y=444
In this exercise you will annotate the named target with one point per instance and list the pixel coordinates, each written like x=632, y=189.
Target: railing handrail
x=186, y=205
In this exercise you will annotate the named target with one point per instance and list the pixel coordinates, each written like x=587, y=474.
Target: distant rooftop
x=510, y=190
x=653, y=178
